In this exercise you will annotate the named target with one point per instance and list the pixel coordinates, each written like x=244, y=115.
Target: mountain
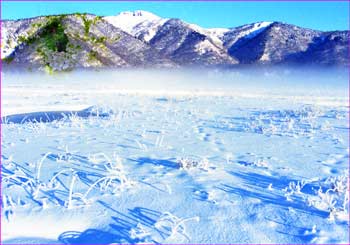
x=272, y=43
x=185, y=44
x=142, y=39
x=65, y=42
x=327, y=49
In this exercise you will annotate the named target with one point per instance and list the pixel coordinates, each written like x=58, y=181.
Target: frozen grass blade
x=40, y=165
x=70, y=197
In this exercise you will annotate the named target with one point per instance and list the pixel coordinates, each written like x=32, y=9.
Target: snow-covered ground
x=175, y=157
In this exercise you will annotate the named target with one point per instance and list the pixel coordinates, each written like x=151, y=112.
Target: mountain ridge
x=142, y=39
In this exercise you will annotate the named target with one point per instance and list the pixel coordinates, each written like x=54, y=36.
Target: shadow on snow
x=256, y=186
x=160, y=162
x=118, y=230
x=49, y=116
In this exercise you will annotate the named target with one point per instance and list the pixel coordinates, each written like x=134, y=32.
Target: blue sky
x=317, y=15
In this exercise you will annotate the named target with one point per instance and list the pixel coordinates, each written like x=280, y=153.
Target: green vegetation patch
x=26, y=40
x=116, y=38
x=97, y=19
x=8, y=59
x=49, y=69
x=87, y=24
x=98, y=40
x=53, y=36
x=92, y=55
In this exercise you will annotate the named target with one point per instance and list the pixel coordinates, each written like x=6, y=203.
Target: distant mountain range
x=142, y=39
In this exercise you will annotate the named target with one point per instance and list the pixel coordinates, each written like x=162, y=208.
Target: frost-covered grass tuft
x=166, y=228
x=292, y=123
x=188, y=164
x=294, y=188
x=333, y=196
x=173, y=226
x=330, y=195
x=114, y=180
x=75, y=193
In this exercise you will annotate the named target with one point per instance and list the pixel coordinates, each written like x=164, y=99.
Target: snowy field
x=175, y=157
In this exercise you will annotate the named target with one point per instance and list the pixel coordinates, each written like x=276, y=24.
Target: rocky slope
x=142, y=39
x=184, y=45
x=70, y=41
x=275, y=44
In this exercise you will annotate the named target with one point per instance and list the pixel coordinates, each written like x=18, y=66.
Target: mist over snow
x=269, y=81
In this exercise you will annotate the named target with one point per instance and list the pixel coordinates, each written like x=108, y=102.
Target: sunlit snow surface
x=175, y=157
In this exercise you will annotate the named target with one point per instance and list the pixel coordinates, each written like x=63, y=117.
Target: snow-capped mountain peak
x=128, y=20
x=257, y=28
x=139, y=14
x=245, y=32
x=252, y=30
